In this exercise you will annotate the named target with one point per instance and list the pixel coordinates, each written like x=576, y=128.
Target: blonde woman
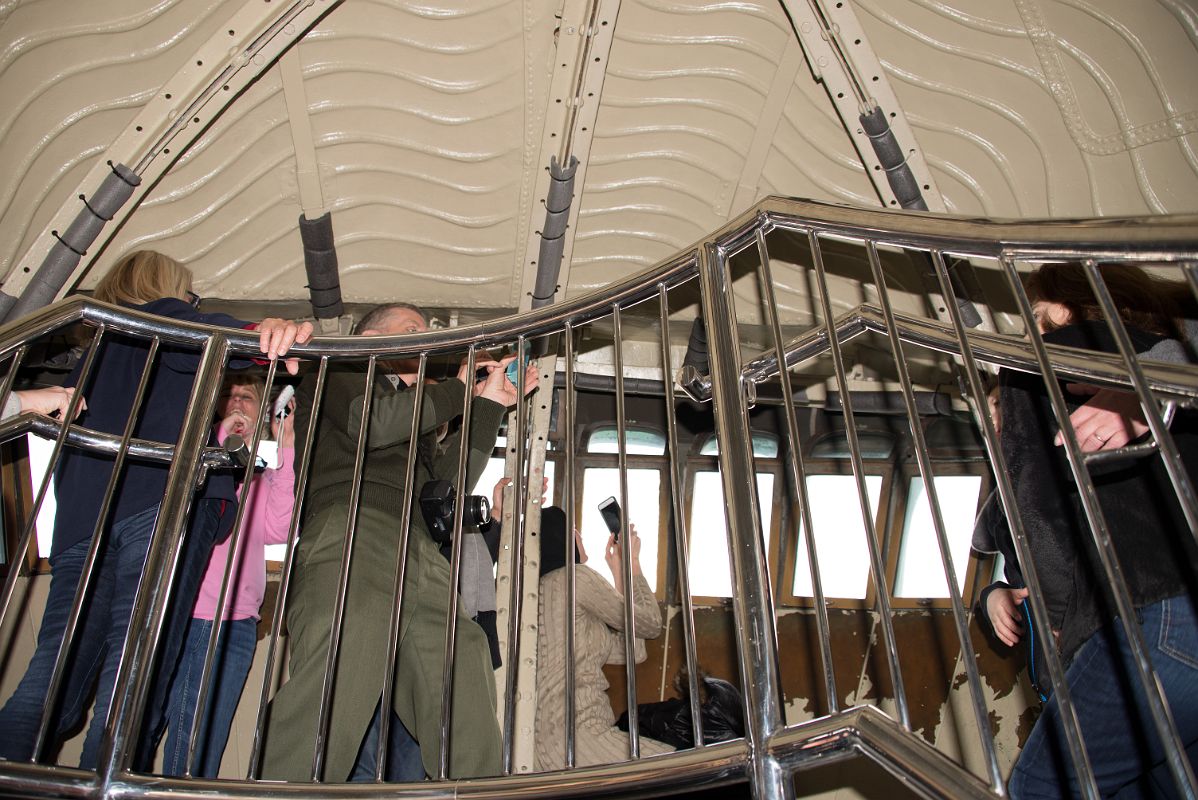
x=153, y=283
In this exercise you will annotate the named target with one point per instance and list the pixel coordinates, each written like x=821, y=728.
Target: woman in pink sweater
x=266, y=521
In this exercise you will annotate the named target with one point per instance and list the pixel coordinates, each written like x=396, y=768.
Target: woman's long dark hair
x=553, y=540
x=1144, y=301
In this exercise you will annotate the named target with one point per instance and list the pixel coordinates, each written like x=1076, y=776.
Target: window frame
x=696, y=464
x=940, y=468
x=784, y=591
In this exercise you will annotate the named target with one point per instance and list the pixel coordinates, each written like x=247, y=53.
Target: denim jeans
x=202, y=534
x=1122, y=743
x=99, y=640
x=403, y=753
x=230, y=667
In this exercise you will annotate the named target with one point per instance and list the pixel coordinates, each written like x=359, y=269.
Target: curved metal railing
x=772, y=751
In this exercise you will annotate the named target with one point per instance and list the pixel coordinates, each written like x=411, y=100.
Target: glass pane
x=643, y=509
x=39, y=461
x=765, y=445
x=920, y=568
x=839, y=536
x=638, y=442
x=709, y=569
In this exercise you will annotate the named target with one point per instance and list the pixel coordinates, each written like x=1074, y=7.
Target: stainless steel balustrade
x=773, y=752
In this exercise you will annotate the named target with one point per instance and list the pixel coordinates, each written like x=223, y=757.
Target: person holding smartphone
x=598, y=640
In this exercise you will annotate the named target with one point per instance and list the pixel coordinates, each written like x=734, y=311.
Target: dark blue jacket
x=82, y=477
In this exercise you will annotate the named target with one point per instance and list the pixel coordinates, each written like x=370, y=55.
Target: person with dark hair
x=371, y=593
x=598, y=640
x=152, y=283
x=1151, y=541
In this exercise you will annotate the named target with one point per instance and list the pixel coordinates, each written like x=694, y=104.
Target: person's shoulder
x=181, y=310
x=168, y=307
x=1095, y=334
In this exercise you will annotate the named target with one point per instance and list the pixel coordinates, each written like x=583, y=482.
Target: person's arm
x=608, y=605
x=275, y=336
x=50, y=400
x=999, y=606
x=390, y=412
x=1112, y=418
x=274, y=497
x=1044, y=488
x=594, y=595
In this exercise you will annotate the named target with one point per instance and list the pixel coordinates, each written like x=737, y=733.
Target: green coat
x=291, y=733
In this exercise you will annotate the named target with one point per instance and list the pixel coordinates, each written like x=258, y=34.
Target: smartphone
x=610, y=509
x=514, y=369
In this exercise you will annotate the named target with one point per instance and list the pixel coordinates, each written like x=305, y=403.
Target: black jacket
x=1151, y=539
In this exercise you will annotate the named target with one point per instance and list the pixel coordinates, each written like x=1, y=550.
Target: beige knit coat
x=598, y=640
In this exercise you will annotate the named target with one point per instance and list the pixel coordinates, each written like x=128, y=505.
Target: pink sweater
x=266, y=521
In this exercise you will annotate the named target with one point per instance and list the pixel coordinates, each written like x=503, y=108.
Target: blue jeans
x=99, y=640
x=1124, y=748
x=203, y=532
x=230, y=667
x=403, y=753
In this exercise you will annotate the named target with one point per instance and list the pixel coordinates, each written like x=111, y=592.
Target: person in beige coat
x=598, y=640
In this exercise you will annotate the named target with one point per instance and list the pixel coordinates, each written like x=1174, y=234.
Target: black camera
x=437, y=500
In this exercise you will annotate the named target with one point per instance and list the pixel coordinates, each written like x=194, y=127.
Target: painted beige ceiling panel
x=1047, y=107
x=684, y=92
x=812, y=155
x=72, y=75
x=417, y=115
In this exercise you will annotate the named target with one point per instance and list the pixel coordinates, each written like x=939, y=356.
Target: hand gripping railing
x=772, y=752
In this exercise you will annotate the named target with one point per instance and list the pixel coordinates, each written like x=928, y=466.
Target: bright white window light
x=840, y=544
x=920, y=568
x=709, y=570
x=39, y=461
x=643, y=510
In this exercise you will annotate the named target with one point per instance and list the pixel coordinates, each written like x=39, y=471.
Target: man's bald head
x=392, y=318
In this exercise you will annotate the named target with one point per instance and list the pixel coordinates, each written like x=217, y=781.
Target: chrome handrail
x=773, y=751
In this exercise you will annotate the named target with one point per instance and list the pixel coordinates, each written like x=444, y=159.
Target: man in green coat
x=474, y=737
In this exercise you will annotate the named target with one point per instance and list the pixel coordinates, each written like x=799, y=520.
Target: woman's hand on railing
x=275, y=337
x=50, y=400
x=1108, y=421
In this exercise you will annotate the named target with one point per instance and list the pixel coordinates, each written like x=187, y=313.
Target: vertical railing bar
x=19, y=554
x=1006, y=494
x=571, y=545
x=625, y=544
x=681, y=545
x=1171, y=458
x=301, y=486
x=166, y=542
x=1161, y=716
x=799, y=477
x=885, y=618
x=455, y=563
x=756, y=628
x=960, y=618
x=11, y=376
x=93, y=551
x=1190, y=270
x=330, y=668
x=516, y=591
x=401, y=564
x=234, y=558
